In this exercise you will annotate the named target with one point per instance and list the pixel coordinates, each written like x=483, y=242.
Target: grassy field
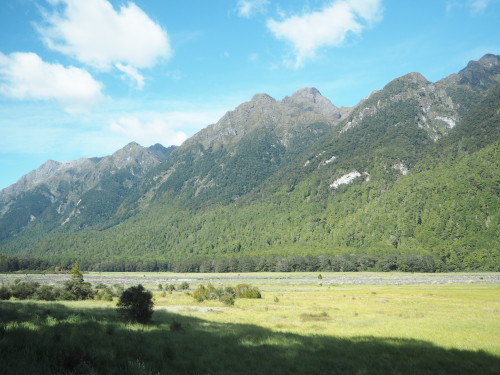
x=343, y=323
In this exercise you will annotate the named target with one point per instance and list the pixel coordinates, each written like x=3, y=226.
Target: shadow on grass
x=42, y=338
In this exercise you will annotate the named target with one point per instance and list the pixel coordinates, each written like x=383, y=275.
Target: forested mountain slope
x=76, y=194
x=410, y=174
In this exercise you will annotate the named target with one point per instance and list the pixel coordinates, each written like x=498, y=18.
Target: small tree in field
x=136, y=303
x=76, y=288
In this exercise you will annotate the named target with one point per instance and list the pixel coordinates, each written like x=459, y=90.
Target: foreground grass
x=48, y=338
x=301, y=325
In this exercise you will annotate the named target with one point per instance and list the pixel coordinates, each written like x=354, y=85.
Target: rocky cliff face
x=441, y=105
x=481, y=73
x=303, y=107
x=246, y=146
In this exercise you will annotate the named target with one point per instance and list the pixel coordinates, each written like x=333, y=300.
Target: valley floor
x=333, y=323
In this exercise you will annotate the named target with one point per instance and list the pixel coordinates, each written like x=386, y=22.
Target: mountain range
x=407, y=179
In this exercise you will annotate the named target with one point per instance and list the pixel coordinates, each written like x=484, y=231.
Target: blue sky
x=84, y=78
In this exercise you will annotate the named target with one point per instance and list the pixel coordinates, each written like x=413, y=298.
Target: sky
x=85, y=78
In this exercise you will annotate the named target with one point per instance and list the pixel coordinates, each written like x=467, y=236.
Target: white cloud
x=329, y=27
x=475, y=6
x=249, y=8
x=131, y=73
x=479, y=6
x=156, y=130
x=27, y=76
x=95, y=34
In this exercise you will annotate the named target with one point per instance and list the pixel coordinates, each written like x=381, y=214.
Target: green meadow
x=362, y=323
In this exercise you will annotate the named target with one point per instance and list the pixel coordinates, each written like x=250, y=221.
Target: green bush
x=227, y=299
x=247, y=291
x=209, y=292
x=184, y=285
x=47, y=293
x=171, y=287
x=5, y=293
x=24, y=289
x=76, y=289
x=202, y=293
x=104, y=294
x=136, y=303
x=225, y=295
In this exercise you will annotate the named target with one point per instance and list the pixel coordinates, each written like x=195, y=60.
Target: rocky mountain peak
x=306, y=93
x=414, y=78
x=262, y=99
x=310, y=99
x=160, y=151
x=482, y=72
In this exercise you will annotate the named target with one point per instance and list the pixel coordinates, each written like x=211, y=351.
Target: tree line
x=445, y=261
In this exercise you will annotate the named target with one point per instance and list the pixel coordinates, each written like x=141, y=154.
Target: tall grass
x=49, y=338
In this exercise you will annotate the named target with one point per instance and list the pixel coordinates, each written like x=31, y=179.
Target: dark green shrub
x=47, y=293
x=136, y=303
x=5, y=293
x=76, y=289
x=171, y=287
x=24, y=289
x=247, y=291
x=184, y=285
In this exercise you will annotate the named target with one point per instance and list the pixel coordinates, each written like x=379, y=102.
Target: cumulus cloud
x=328, y=27
x=249, y=8
x=96, y=34
x=27, y=76
x=156, y=130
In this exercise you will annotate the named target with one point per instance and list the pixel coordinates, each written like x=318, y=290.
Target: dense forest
x=422, y=196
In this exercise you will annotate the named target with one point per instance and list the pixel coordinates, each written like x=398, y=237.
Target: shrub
x=202, y=293
x=5, y=293
x=104, y=294
x=76, y=289
x=136, y=303
x=171, y=287
x=227, y=299
x=247, y=291
x=184, y=285
x=47, y=293
x=24, y=289
x=209, y=292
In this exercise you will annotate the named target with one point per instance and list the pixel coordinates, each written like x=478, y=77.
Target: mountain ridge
x=295, y=176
